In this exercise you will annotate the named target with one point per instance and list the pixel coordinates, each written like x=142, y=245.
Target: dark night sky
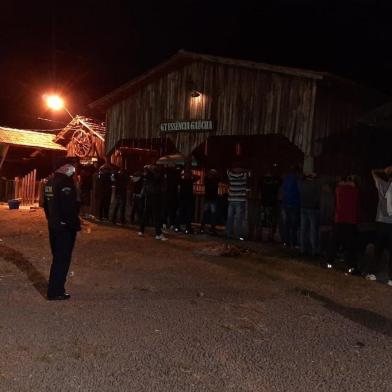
x=85, y=49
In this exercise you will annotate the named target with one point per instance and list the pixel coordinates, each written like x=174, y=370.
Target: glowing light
x=195, y=94
x=54, y=102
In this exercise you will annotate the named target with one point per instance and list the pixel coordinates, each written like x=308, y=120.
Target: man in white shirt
x=383, y=182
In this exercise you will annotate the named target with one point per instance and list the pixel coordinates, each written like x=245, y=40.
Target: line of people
x=318, y=218
x=322, y=220
x=164, y=197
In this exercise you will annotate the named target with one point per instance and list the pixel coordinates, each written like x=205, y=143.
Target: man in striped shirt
x=238, y=188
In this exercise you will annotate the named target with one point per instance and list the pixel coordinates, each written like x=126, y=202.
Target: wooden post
x=20, y=188
x=5, y=151
x=32, y=194
x=24, y=190
x=27, y=188
x=16, y=188
x=29, y=182
x=34, y=186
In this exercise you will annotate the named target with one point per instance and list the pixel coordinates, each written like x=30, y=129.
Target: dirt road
x=152, y=316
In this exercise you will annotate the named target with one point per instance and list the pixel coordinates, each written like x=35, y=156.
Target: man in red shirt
x=345, y=227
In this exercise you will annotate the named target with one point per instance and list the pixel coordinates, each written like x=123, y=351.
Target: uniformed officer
x=62, y=212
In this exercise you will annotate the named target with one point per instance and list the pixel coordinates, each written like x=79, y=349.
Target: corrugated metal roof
x=20, y=137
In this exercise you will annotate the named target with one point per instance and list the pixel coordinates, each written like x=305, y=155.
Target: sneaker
x=161, y=237
x=140, y=234
x=241, y=238
x=326, y=264
x=354, y=272
x=389, y=282
x=371, y=277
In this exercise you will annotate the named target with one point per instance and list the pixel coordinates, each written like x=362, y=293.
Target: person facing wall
x=309, y=190
x=237, y=198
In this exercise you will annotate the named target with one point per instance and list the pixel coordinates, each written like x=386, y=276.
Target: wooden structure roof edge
x=183, y=57
x=96, y=128
x=28, y=138
x=121, y=91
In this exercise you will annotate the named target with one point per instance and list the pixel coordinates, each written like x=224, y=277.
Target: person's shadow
x=24, y=265
x=367, y=318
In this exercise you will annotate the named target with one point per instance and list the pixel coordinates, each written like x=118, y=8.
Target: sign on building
x=187, y=126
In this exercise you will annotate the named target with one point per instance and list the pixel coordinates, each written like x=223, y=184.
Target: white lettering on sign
x=181, y=126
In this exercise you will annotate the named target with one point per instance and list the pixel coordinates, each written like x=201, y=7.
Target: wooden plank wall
x=240, y=101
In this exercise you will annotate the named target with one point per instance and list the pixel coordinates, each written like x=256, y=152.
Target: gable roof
x=24, y=138
x=77, y=122
x=183, y=58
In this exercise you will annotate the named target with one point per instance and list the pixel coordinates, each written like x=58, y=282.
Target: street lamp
x=56, y=103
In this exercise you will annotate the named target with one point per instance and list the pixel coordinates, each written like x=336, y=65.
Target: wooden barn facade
x=199, y=101
x=221, y=110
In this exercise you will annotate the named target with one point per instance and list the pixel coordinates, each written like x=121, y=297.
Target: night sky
x=85, y=49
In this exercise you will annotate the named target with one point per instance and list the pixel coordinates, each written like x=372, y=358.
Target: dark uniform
x=104, y=185
x=152, y=197
x=62, y=212
x=120, y=180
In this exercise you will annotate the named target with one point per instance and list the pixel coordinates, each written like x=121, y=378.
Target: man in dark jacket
x=211, y=186
x=186, y=202
x=290, y=207
x=104, y=187
x=62, y=212
x=310, y=194
x=120, y=180
x=152, y=196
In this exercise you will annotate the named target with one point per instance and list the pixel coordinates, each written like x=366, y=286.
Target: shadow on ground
x=366, y=318
x=26, y=267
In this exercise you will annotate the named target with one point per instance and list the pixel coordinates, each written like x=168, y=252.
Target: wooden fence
x=27, y=189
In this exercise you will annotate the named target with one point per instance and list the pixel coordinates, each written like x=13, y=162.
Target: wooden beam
x=5, y=152
x=91, y=129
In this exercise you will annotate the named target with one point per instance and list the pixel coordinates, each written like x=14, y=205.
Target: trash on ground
x=226, y=250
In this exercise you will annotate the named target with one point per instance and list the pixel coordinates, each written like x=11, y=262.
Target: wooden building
x=22, y=151
x=199, y=101
x=25, y=158
x=83, y=138
x=223, y=110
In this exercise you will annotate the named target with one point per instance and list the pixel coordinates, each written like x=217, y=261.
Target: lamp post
x=56, y=103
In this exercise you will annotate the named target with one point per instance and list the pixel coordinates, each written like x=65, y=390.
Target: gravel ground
x=176, y=316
